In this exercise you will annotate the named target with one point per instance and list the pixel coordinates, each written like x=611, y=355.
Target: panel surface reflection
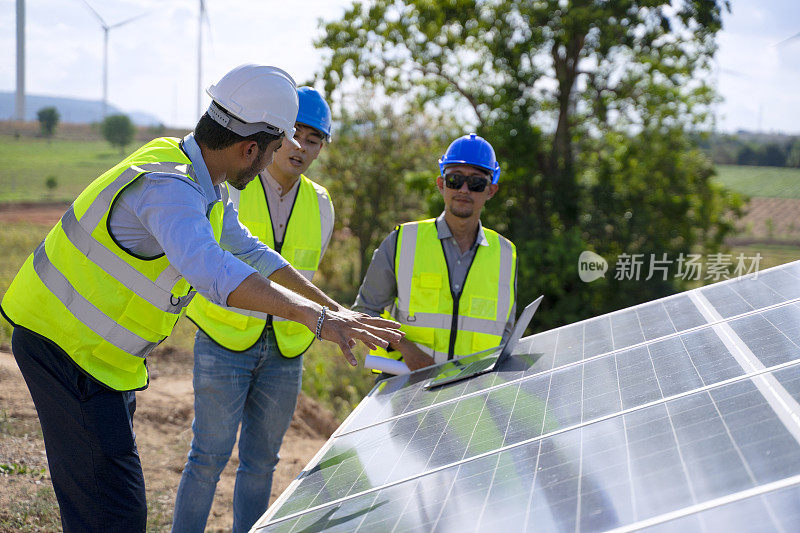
x=608, y=474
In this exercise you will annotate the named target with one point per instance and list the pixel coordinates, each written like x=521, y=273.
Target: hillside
x=74, y=110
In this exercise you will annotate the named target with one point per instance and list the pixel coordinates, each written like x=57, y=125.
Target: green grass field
x=771, y=254
x=769, y=182
x=26, y=163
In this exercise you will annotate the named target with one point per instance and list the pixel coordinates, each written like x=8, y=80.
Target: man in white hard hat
x=248, y=366
x=110, y=280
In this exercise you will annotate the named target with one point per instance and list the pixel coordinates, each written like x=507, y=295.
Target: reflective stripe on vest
x=106, y=308
x=444, y=326
x=310, y=219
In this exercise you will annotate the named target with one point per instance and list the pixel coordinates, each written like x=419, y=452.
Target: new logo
x=591, y=266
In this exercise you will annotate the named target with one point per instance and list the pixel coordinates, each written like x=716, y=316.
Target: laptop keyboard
x=477, y=366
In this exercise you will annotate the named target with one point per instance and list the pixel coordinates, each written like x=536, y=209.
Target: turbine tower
x=106, y=29
x=19, y=103
x=203, y=16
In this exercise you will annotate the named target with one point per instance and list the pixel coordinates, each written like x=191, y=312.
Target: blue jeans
x=257, y=387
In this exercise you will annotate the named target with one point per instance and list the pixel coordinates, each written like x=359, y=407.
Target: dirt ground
x=162, y=423
x=769, y=220
x=81, y=132
x=41, y=214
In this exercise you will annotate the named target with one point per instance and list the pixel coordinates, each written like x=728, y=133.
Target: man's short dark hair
x=211, y=134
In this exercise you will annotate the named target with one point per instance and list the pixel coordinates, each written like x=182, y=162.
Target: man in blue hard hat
x=449, y=281
x=248, y=365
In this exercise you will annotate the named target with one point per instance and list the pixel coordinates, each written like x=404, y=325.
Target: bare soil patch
x=81, y=132
x=44, y=214
x=769, y=221
x=163, y=431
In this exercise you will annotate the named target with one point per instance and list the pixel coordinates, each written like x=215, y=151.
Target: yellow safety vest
x=106, y=308
x=442, y=324
x=310, y=219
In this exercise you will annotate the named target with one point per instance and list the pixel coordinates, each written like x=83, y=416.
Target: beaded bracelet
x=320, y=321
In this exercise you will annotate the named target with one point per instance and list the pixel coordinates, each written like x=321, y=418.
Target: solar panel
x=678, y=413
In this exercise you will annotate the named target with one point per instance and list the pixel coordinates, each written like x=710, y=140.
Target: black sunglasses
x=475, y=183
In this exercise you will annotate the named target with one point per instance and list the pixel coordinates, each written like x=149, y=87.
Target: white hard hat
x=253, y=98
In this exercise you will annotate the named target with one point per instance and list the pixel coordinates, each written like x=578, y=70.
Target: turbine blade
x=96, y=14
x=118, y=24
x=792, y=38
x=734, y=73
x=207, y=21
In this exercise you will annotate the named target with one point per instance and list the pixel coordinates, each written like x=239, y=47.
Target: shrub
x=48, y=118
x=118, y=130
x=51, y=182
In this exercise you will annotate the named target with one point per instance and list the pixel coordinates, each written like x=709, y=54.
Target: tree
x=118, y=130
x=48, y=118
x=554, y=85
x=774, y=155
x=51, y=182
x=793, y=158
x=369, y=169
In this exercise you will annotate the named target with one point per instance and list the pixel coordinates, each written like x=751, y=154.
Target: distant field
x=771, y=254
x=769, y=182
x=26, y=163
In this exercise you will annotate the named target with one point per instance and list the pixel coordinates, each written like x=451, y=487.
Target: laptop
x=497, y=356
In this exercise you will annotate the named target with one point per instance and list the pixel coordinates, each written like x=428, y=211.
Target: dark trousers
x=89, y=439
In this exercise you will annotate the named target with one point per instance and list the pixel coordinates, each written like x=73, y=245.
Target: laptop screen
x=485, y=361
x=519, y=328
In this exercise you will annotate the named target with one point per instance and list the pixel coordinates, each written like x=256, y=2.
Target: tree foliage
x=588, y=104
x=793, y=157
x=375, y=155
x=747, y=148
x=48, y=118
x=118, y=130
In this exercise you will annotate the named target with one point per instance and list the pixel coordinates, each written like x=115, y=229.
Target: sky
x=153, y=60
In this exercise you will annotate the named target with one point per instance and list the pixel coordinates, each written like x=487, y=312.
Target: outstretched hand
x=345, y=327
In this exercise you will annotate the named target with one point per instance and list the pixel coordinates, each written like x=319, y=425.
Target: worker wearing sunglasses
x=475, y=182
x=449, y=281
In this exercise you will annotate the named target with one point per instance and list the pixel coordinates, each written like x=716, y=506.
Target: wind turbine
x=106, y=28
x=788, y=39
x=203, y=16
x=19, y=100
x=778, y=46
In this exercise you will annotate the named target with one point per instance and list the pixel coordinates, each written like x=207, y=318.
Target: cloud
x=153, y=60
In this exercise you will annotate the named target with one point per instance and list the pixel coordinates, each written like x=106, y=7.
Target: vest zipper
x=278, y=245
x=453, y=325
x=456, y=298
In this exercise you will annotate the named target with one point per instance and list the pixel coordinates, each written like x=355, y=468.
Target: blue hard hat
x=471, y=150
x=314, y=111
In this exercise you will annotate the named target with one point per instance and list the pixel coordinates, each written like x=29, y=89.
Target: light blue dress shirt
x=168, y=214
